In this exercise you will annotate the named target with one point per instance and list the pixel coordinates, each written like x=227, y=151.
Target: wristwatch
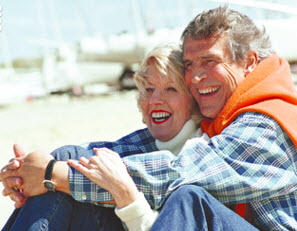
x=48, y=183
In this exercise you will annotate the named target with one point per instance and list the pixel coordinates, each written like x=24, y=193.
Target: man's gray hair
x=242, y=33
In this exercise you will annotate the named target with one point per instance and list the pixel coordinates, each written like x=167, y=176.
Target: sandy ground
x=59, y=120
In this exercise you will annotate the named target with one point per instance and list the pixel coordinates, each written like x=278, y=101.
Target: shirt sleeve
x=84, y=190
x=138, y=216
x=252, y=159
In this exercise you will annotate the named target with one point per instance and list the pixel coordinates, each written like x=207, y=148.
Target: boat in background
x=112, y=59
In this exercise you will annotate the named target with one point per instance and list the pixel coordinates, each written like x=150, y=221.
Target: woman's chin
x=163, y=137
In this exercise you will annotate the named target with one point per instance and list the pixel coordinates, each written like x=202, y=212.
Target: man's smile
x=208, y=91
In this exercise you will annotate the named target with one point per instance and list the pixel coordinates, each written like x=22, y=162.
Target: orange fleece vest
x=270, y=90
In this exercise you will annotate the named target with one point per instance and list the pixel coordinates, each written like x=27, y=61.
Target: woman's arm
x=108, y=171
x=138, y=216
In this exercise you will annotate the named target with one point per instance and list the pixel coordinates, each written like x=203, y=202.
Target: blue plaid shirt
x=252, y=161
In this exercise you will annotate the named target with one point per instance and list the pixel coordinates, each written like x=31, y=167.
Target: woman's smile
x=160, y=116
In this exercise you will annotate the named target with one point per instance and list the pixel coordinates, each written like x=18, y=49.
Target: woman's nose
x=156, y=98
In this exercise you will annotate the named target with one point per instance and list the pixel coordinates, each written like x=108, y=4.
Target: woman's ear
x=251, y=62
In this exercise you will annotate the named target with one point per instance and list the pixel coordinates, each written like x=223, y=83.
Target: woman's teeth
x=208, y=90
x=160, y=116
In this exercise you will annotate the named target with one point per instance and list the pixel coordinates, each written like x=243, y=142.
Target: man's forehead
x=197, y=55
x=206, y=48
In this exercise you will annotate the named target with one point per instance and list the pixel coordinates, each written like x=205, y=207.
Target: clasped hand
x=22, y=177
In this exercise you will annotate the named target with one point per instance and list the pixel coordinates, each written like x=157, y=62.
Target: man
x=248, y=96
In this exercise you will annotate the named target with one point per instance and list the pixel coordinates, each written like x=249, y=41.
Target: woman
x=171, y=116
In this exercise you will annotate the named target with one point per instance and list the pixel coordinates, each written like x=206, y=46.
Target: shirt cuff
x=138, y=215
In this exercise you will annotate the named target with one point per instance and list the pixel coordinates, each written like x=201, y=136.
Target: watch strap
x=49, y=169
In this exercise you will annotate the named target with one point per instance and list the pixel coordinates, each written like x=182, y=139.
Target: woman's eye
x=171, y=89
x=148, y=89
x=188, y=65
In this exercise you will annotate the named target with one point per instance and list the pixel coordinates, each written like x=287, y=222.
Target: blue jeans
x=191, y=208
x=59, y=211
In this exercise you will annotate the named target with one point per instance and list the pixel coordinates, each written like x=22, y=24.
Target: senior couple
x=242, y=165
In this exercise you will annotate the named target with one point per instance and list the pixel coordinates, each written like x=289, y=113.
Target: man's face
x=210, y=73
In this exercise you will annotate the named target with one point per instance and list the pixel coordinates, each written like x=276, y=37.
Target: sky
x=26, y=23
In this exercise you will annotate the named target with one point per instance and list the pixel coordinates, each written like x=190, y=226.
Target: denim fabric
x=71, y=152
x=191, y=208
x=59, y=211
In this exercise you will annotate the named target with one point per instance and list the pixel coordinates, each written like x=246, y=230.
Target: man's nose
x=198, y=76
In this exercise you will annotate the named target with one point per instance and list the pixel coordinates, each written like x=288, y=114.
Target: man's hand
x=31, y=171
x=12, y=183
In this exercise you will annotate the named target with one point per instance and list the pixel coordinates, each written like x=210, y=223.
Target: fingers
x=102, y=150
x=75, y=165
x=12, y=182
x=13, y=164
x=7, y=171
x=9, y=190
x=18, y=150
x=21, y=202
x=78, y=166
x=15, y=196
x=72, y=163
x=18, y=198
x=84, y=161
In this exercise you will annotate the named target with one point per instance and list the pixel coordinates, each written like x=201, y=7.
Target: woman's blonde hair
x=167, y=59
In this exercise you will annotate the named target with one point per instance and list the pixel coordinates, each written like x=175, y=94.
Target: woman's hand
x=107, y=169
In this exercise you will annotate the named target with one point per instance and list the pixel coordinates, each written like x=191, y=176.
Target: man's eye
x=209, y=62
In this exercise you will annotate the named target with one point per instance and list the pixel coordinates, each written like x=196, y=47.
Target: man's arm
x=136, y=142
x=251, y=160
x=82, y=189
x=60, y=176
x=32, y=171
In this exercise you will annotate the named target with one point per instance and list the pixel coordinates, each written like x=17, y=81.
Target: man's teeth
x=208, y=90
x=160, y=116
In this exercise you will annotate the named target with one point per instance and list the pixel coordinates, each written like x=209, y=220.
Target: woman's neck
x=176, y=143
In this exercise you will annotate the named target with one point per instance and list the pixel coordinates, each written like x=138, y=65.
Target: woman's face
x=165, y=107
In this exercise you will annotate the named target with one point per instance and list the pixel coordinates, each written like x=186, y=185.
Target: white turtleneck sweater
x=138, y=216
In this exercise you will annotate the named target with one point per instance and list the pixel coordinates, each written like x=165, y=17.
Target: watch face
x=49, y=185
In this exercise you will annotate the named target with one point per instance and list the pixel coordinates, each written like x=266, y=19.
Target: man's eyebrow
x=203, y=57
x=209, y=56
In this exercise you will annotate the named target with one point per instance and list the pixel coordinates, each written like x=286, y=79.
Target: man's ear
x=251, y=62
